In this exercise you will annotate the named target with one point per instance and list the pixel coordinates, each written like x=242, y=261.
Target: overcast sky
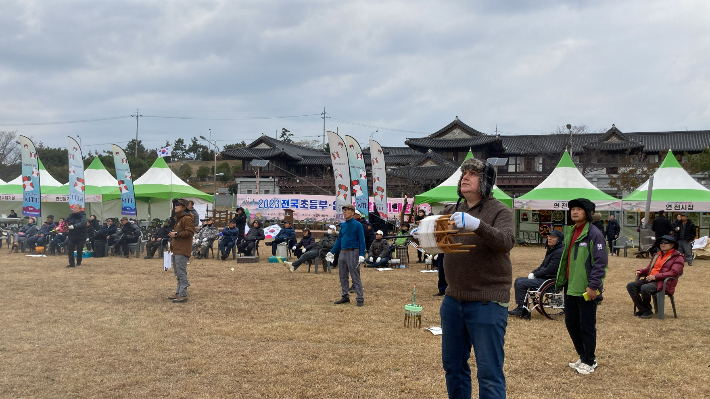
x=405, y=68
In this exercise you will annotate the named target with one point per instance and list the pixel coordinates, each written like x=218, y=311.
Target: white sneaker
x=584, y=368
x=290, y=267
x=576, y=364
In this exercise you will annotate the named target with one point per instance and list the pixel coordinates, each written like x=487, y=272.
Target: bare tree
x=315, y=144
x=9, y=150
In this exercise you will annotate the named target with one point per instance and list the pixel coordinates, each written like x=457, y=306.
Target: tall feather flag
x=379, y=178
x=125, y=181
x=341, y=170
x=31, y=192
x=358, y=176
x=76, y=174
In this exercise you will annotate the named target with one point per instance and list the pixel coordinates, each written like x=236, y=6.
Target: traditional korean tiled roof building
x=425, y=162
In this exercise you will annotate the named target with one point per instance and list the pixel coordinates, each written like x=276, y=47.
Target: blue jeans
x=481, y=325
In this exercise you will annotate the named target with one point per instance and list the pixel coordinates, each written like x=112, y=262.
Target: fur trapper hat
x=486, y=176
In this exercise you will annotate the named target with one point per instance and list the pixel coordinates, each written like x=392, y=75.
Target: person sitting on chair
x=547, y=270
x=129, y=235
x=306, y=244
x=286, y=234
x=320, y=249
x=60, y=235
x=204, y=238
x=667, y=262
x=26, y=231
x=256, y=233
x=105, y=232
x=12, y=214
x=40, y=238
x=379, y=253
x=229, y=239
x=159, y=239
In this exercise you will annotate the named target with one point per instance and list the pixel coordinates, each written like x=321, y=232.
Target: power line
x=228, y=119
x=63, y=123
x=377, y=127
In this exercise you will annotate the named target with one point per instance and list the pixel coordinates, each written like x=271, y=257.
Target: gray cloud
x=523, y=66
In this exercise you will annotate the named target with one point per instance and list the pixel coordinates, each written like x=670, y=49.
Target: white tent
x=673, y=190
x=159, y=186
x=11, y=195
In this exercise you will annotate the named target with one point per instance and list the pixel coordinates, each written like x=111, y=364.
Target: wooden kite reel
x=436, y=234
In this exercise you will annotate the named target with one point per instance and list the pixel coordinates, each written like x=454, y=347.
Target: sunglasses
x=666, y=242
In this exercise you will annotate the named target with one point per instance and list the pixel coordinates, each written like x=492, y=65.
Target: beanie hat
x=585, y=204
x=486, y=176
x=559, y=234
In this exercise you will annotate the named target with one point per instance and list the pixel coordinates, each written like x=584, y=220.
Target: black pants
x=152, y=246
x=640, y=292
x=581, y=321
x=442, y=277
x=75, y=244
x=610, y=240
x=123, y=243
x=246, y=247
x=521, y=286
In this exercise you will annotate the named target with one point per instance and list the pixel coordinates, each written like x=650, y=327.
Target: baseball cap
x=349, y=206
x=332, y=227
x=358, y=212
x=379, y=232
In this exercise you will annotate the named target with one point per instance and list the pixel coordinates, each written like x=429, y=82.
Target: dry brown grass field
x=106, y=329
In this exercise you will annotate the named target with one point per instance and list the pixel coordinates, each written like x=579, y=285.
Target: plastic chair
x=137, y=246
x=620, y=243
x=659, y=299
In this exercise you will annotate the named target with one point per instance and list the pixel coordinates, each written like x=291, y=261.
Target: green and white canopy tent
x=447, y=192
x=159, y=186
x=103, y=198
x=11, y=195
x=565, y=183
x=673, y=190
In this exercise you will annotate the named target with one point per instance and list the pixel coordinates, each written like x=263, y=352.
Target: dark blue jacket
x=229, y=235
x=286, y=234
x=107, y=230
x=46, y=229
x=78, y=220
x=613, y=229
x=549, y=266
x=306, y=242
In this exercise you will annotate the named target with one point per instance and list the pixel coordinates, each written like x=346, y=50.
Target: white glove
x=370, y=258
x=330, y=257
x=436, y=256
x=414, y=232
x=378, y=259
x=465, y=221
x=294, y=248
x=71, y=227
x=360, y=259
x=531, y=276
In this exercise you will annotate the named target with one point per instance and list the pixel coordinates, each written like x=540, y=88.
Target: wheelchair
x=546, y=300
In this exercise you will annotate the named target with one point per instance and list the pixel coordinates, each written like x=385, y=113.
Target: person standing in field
x=181, y=245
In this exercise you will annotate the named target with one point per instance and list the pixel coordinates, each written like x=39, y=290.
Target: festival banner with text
x=31, y=198
x=125, y=181
x=379, y=178
x=76, y=174
x=341, y=170
x=308, y=206
x=358, y=175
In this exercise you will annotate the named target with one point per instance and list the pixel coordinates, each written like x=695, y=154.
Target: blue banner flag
x=76, y=174
x=31, y=193
x=125, y=181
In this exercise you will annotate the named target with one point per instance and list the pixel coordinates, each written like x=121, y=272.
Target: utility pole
x=137, y=115
x=323, y=127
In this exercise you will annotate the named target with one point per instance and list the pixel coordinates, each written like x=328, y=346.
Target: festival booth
x=674, y=190
x=544, y=208
x=159, y=186
x=447, y=193
x=11, y=195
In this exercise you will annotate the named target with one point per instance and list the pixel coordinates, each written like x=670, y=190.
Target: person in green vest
x=582, y=270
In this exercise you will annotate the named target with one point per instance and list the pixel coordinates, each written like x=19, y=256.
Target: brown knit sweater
x=485, y=272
